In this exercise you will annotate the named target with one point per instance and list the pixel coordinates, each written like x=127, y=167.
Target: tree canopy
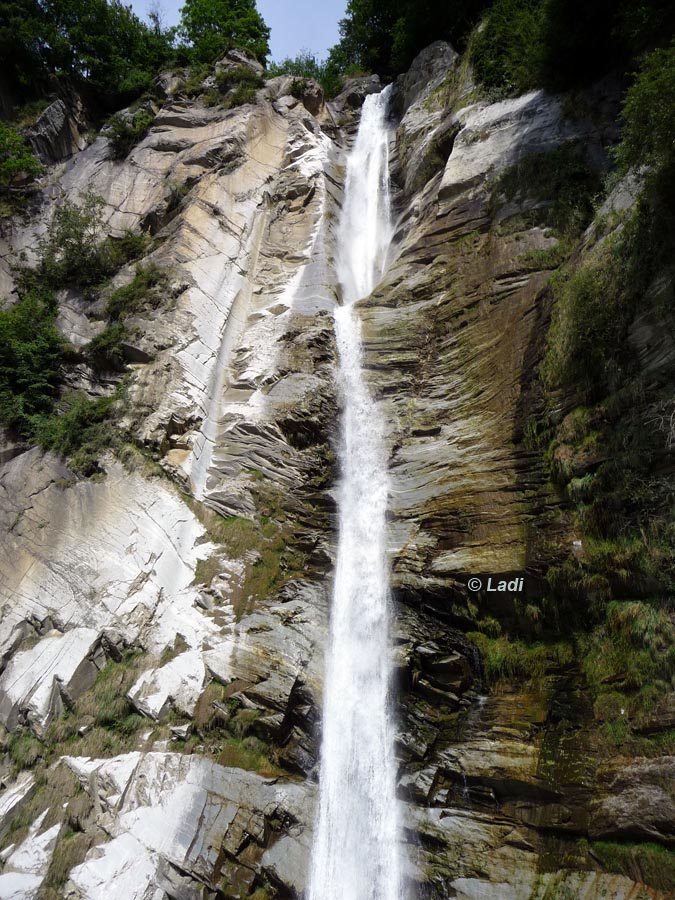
x=211, y=27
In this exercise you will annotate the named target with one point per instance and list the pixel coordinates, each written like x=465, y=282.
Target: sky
x=296, y=24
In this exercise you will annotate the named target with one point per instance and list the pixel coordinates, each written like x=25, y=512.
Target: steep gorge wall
x=226, y=598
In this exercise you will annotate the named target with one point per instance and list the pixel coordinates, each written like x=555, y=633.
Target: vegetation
x=143, y=291
x=239, y=83
x=99, y=46
x=649, y=863
x=127, y=131
x=563, y=184
x=305, y=65
x=31, y=358
x=384, y=37
x=608, y=454
x=563, y=44
x=505, y=659
x=212, y=27
x=74, y=253
x=80, y=428
x=16, y=160
x=34, y=356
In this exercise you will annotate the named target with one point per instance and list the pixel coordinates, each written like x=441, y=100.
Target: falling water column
x=355, y=854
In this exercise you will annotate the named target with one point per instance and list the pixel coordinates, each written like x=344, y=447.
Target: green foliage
x=127, y=131
x=506, y=53
x=384, y=37
x=648, y=863
x=105, y=351
x=512, y=660
x=584, y=341
x=142, y=291
x=648, y=114
x=562, y=180
x=81, y=429
x=633, y=649
x=31, y=356
x=564, y=44
x=240, y=84
x=99, y=45
x=16, y=159
x=212, y=27
x=74, y=253
x=307, y=66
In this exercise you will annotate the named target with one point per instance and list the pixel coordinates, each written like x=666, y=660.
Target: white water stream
x=355, y=854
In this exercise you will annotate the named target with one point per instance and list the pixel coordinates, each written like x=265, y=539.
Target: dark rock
x=57, y=134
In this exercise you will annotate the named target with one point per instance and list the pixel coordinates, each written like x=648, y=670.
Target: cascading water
x=355, y=855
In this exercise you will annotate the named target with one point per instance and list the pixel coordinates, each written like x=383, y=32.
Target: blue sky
x=296, y=24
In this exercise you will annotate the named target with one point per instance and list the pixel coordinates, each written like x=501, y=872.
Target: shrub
x=16, y=159
x=140, y=292
x=81, y=429
x=105, y=351
x=240, y=84
x=31, y=358
x=127, y=132
x=306, y=66
x=72, y=252
x=507, y=52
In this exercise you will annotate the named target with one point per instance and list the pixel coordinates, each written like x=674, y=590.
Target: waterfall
x=355, y=854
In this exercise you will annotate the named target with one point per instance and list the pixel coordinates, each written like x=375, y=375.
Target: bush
x=127, y=132
x=31, y=359
x=648, y=114
x=507, y=52
x=105, y=351
x=71, y=252
x=16, y=159
x=139, y=293
x=74, y=252
x=240, y=84
x=82, y=429
x=306, y=66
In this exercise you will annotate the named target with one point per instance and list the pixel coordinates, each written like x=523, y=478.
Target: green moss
x=248, y=753
x=649, y=863
x=505, y=659
x=561, y=181
x=262, y=542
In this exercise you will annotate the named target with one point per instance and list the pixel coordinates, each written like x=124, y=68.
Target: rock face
x=58, y=132
x=161, y=627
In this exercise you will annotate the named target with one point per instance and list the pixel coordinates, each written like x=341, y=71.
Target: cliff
x=162, y=621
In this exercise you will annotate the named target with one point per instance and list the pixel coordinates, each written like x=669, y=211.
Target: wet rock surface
x=211, y=571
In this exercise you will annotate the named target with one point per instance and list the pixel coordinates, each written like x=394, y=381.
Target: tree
x=212, y=27
x=15, y=158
